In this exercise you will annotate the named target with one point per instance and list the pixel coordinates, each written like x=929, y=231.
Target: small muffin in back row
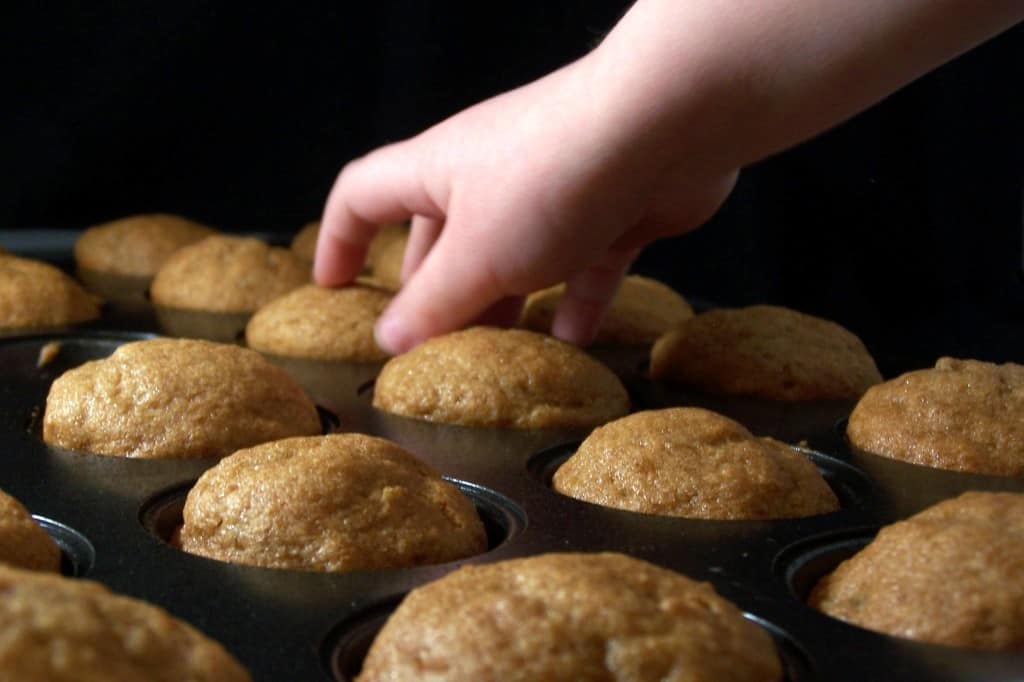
x=136, y=246
x=642, y=310
x=227, y=274
x=37, y=294
x=322, y=324
x=765, y=352
x=485, y=376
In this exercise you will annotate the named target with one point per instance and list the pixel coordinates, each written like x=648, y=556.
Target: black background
x=904, y=224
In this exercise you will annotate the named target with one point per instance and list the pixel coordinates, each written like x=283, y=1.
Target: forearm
x=733, y=81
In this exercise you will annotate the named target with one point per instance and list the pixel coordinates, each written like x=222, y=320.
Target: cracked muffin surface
x=950, y=574
x=485, y=376
x=570, y=616
x=339, y=502
x=693, y=463
x=175, y=398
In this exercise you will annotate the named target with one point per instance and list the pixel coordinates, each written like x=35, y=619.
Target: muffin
x=23, y=542
x=385, y=255
x=227, y=274
x=765, y=352
x=694, y=463
x=319, y=323
x=567, y=617
x=62, y=630
x=303, y=243
x=964, y=415
x=643, y=309
x=950, y=575
x=339, y=502
x=136, y=246
x=175, y=398
x=36, y=294
x=484, y=376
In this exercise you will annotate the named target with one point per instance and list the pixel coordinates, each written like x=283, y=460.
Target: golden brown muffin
x=136, y=246
x=950, y=574
x=385, y=255
x=36, y=294
x=175, y=398
x=304, y=242
x=339, y=502
x=578, y=617
x=70, y=630
x=694, y=463
x=23, y=542
x=766, y=352
x=643, y=309
x=325, y=324
x=486, y=376
x=227, y=274
x=963, y=415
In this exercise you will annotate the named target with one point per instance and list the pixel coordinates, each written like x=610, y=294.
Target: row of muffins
x=634, y=568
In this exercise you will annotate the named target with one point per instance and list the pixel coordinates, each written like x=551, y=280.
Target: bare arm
x=568, y=177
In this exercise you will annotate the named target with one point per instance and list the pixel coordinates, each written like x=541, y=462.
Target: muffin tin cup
x=113, y=516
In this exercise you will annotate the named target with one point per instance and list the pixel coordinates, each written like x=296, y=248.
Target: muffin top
x=385, y=255
x=643, y=309
x=326, y=324
x=303, y=243
x=950, y=574
x=227, y=274
x=767, y=352
x=23, y=542
x=37, y=294
x=691, y=462
x=580, y=617
x=964, y=415
x=136, y=246
x=71, y=630
x=486, y=376
x=175, y=398
x=329, y=503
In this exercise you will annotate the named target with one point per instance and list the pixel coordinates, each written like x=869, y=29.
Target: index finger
x=382, y=187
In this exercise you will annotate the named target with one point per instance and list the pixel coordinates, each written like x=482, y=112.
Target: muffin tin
x=114, y=517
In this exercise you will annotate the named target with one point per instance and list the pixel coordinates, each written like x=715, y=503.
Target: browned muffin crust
x=320, y=323
x=36, y=294
x=586, y=617
x=486, y=376
x=339, y=502
x=71, y=630
x=303, y=243
x=767, y=352
x=23, y=542
x=386, y=254
x=693, y=463
x=175, y=398
x=227, y=274
x=963, y=415
x=642, y=310
x=136, y=246
x=950, y=574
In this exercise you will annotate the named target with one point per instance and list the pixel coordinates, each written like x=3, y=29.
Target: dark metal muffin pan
x=114, y=519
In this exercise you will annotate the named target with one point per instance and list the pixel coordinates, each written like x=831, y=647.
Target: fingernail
x=392, y=335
